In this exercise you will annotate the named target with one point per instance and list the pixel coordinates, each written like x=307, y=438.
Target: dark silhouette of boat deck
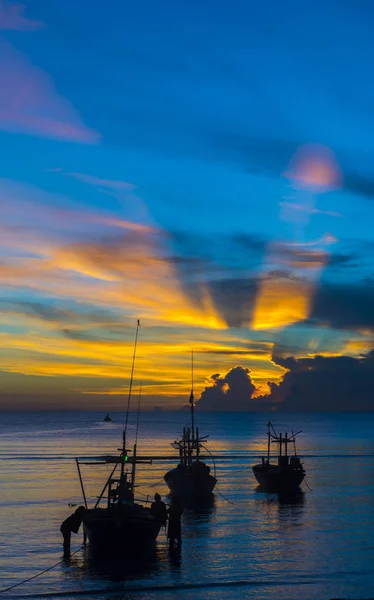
x=288, y=473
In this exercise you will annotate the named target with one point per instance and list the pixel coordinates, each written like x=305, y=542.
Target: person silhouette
x=71, y=524
x=174, y=527
x=159, y=511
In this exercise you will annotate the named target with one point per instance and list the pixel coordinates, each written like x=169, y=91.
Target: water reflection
x=285, y=507
x=175, y=558
x=114, y=568
x=203, y=508
x=297, y=499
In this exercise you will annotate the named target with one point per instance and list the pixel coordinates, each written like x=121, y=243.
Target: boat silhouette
x=288, y=473
x=191, y=479
x=123, y=525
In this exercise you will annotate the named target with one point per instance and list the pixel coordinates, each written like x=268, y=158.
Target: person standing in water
x=71, y=524
x=159, y=511
x=174, y=527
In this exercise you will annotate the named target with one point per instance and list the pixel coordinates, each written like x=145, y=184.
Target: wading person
x=159, y=510
x=174, y=528
x=69, y=526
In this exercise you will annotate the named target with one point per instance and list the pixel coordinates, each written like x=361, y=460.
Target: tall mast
x=137, y=420
x=129, y=400
x=192, y=401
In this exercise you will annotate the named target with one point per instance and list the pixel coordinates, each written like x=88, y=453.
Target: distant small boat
x=287, y=475
x=107, y=418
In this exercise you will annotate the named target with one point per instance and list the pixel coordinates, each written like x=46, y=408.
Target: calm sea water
x=248, y=545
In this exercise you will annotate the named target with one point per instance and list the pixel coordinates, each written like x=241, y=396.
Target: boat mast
x=124, y=433
x=285, y=444
x=192, y=402
x=294, y=442
x=137, y=420
x=136, y=440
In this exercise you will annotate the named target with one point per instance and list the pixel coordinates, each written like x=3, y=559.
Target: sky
x=204, y=167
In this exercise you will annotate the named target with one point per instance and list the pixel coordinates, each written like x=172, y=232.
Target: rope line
x=11, y=587
x=145, y=485
x=229, y=473
x=224, y=497
x=157, y=483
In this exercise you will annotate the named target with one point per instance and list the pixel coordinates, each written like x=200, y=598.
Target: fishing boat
x=288, y=473
x=191, y=479
x=107, y=419
x=122, y=525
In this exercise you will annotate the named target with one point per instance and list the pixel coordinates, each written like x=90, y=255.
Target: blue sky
x=164, y=160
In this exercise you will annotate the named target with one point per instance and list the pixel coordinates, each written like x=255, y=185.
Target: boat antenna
x=137, y=420
x=192, y=401
x=130, y=386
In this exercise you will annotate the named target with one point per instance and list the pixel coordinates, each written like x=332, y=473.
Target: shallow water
x=248, y=545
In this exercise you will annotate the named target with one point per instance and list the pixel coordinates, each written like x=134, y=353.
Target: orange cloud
x=131, y=271
x=163, y=363
x=292, y=268
x=281, y=302
x=315, y=167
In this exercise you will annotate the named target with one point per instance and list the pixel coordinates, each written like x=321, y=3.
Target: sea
x=247, y=544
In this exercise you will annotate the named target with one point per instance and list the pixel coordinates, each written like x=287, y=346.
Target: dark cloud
x=341, y=259
x=234, y=299
x=233, y=281
x=320, y=383
x=336, y=306
x=257, y=155
x=257, y=348
x=43, y=311
x=359, y=184
x=202, y=267
x=342, y=383
x=252, y=243
x=113, y=334
x=343, y=306
x=80, y=323
x=78, y=335
x=233, y=392
x=271, y=156
x=227, y=271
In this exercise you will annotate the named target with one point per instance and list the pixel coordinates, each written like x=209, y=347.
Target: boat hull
x=110, y=531
x=193, y=486
x=274, y=479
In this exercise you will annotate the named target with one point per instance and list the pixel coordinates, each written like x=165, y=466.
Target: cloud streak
x=12, y=17
x=29, y=102
x=111, y=184
x=82, y=255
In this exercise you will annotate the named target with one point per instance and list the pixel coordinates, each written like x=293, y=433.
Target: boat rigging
x=287, y=475
x=191, y=480
x=123, y=525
